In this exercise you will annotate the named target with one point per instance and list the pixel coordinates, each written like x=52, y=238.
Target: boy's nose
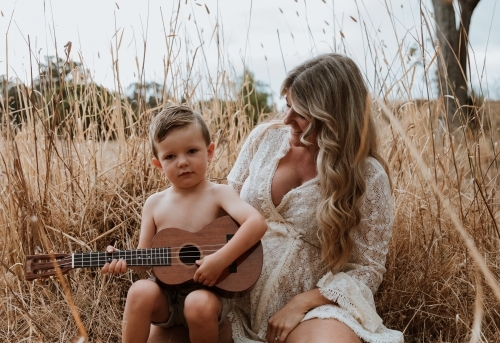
x=182, y=161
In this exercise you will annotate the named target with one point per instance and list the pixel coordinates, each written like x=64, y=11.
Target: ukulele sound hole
x=189, y=254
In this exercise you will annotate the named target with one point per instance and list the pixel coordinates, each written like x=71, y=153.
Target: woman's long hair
x=330, y=92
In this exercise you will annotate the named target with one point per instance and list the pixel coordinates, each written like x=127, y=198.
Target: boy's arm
x=148, y=230
x=252, y=228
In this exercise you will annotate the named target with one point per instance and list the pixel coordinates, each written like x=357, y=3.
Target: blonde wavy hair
x=330, y=92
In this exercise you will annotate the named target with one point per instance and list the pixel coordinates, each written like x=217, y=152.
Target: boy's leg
x=146, y=302
x=173, y=334
x=180, y=334
x=201, y=310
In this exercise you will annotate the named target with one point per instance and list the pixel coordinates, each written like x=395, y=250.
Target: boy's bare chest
x=190, y=214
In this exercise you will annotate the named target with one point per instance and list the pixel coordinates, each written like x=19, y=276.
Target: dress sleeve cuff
x=347, y=294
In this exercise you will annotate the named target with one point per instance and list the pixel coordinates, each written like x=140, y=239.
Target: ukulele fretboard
x=139, y=257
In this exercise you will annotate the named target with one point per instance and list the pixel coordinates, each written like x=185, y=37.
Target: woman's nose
x=289, y=115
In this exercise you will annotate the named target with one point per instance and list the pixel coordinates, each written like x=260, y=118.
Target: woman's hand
x=115, y=266
x=285, y=320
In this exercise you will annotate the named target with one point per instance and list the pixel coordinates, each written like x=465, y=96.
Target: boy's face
x=183, y=156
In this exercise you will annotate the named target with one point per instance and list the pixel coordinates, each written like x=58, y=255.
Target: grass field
x=71, y=183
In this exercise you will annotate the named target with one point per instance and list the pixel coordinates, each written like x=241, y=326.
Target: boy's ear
x=210, y=151
x=156, y=163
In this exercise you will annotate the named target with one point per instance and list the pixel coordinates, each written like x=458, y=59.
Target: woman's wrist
x=310, y=299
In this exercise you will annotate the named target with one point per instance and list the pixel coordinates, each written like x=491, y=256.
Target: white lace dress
x=291, y=248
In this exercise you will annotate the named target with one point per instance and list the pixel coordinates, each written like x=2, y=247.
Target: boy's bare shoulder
x=220, y=190
x=154, y=198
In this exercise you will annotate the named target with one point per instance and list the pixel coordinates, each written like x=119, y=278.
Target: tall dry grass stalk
x=67, y=187
x=62, y=193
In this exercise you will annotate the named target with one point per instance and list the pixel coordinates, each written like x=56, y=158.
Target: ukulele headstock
x=37, y=266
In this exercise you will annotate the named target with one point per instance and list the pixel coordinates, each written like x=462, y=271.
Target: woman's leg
x=146, y=302
x=322, y=331
x=201, y=310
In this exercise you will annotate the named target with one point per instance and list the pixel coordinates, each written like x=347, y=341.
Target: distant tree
x=145, y=95
x=63, y=97
x=453, y=41
x=254, y=96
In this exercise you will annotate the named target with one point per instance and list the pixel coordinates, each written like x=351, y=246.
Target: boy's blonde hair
x=174, y=118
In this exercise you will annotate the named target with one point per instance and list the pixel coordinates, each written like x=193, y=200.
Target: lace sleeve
x=353, y=288
x=371, y=240
x=241, y=168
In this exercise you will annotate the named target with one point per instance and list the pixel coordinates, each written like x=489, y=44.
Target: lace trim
x=341, y=289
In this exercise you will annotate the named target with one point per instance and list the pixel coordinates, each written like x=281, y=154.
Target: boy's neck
x=190, y=190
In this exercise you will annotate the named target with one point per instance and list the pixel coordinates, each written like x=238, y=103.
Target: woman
x=323, y=188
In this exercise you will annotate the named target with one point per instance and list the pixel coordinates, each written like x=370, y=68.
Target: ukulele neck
x=139, y=257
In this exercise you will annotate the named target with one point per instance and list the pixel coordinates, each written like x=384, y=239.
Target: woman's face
x=297, y=123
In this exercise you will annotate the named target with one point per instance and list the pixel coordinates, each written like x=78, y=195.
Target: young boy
x=182, y=149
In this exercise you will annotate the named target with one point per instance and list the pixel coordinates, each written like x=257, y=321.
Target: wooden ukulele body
x=240, y=276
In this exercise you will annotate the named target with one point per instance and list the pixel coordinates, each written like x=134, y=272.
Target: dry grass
x=65, y=192
x=71, y=194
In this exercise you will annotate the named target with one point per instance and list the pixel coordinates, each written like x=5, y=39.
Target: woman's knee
x=322, y=331
x=202, y=305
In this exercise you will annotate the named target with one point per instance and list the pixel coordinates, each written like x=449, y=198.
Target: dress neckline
x=282, y=151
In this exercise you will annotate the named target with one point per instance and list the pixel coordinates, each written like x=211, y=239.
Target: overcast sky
x=268, y=36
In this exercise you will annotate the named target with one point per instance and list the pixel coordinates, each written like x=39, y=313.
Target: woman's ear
x=210, y=151
x=156, y=163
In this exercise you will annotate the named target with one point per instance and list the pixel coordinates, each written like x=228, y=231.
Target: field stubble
x=77, y=194
x=66, y=188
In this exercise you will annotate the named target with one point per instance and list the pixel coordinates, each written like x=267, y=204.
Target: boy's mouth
x=185, y=173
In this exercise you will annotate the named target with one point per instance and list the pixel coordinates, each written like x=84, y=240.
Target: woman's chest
x=292, y=171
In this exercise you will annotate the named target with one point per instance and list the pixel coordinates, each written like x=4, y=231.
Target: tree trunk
x=452, y=62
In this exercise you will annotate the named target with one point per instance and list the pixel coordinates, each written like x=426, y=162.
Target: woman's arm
x=289, y=316
x=353, y=288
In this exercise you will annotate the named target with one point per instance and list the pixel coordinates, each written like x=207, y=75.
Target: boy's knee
x=202, y=305
x=143, y=291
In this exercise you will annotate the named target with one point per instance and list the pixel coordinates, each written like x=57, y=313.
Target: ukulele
x=172, y=255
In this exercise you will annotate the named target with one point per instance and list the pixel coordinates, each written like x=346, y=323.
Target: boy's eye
x=169, y=157
x=192, y=151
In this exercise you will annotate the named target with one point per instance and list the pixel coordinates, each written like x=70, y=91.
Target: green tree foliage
x=256, y=100
x=65, y=98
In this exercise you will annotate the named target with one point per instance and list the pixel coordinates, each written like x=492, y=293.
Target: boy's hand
x=115, y=266
x=210, y=268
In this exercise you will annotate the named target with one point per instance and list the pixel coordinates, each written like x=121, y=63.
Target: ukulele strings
x=194, y=246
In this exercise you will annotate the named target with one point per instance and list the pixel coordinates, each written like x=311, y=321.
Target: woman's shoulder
x=374, y=170
x=270, y=127
x=268, y=131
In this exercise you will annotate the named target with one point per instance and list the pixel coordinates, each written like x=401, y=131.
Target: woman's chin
x=295, y=141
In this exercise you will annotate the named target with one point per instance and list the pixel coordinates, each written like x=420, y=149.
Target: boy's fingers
x=122, y=264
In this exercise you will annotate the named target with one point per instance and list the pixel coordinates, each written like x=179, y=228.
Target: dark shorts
x=176, y=307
